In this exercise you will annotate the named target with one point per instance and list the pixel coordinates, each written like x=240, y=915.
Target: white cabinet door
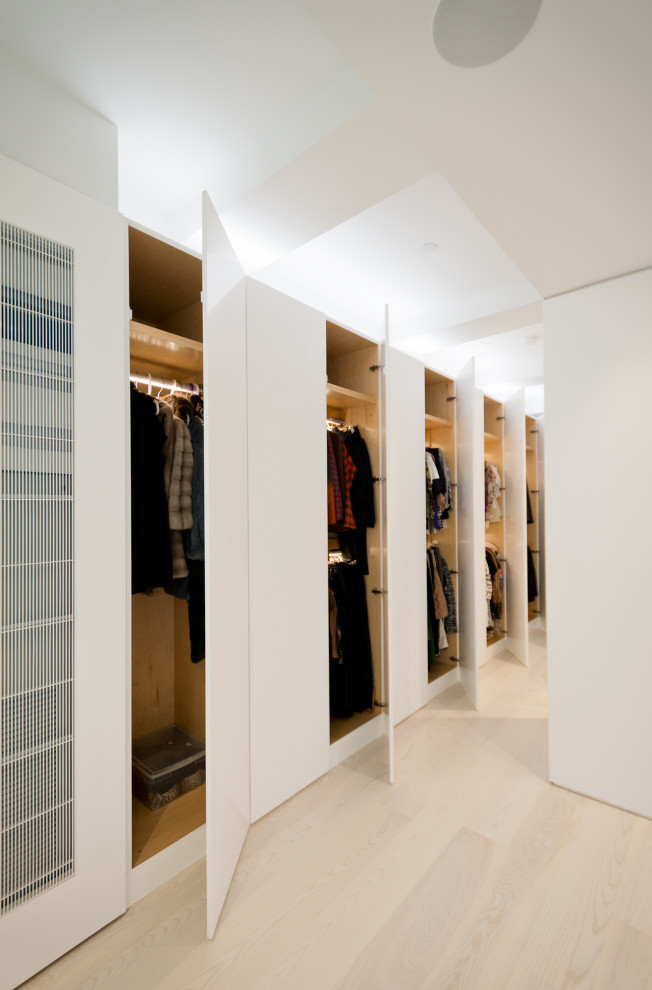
x=227, y=562
x=515, y=526
x=63, y=655
x=406, y=523
x=470, y=528
x=288, y=549
x=387, y=693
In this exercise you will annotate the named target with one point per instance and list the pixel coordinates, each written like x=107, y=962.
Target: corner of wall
x=44, y=128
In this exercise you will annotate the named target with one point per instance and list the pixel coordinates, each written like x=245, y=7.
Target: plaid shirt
x=348, y=521
x=334, y=480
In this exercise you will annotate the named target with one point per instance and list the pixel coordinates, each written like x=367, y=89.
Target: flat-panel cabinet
x=428, y=411
x=63, y=651
x=356, y=416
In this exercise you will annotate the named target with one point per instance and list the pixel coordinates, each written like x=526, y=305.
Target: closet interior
x=167, y=688
x=354, y=545
x=533, y=548
x=441, y=525
x=494, y=488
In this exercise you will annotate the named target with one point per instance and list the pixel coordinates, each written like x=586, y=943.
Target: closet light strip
x=169, y=383
x=37, y=547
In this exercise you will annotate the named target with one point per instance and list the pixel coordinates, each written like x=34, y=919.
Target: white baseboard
x=143, y=879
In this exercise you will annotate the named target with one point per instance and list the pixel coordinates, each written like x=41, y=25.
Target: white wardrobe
x=424, y=407
x=266, y=696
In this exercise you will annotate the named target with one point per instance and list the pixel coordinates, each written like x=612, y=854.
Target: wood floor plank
x=470, y=872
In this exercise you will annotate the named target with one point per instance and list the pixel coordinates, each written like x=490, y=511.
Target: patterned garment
x=450, y=622
x=348, y=522
x=333, y=478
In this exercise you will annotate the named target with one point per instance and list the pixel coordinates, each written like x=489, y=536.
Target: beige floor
x=471, y=871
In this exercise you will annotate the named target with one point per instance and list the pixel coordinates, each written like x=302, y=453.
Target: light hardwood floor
x=470, y=872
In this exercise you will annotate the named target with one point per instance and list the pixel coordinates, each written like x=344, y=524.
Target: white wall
x=44, y=128
x=406, y=518
x=598, y=470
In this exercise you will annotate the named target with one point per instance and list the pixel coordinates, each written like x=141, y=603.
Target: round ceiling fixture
x=471, y=33
x=530, y=341
x=429, y=247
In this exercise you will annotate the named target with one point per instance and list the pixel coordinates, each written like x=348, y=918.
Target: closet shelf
x=165, y=354
x=529, y=447
x=338, y=397
x=437, y=421
x=491, y=436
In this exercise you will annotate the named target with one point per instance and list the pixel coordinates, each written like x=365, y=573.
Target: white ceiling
x=335, y=140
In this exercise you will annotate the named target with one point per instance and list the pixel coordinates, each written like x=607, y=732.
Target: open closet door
x=227, y=562
x=63, y=530
x=386, y=688
x=406, y=521
x=514, y=441
x=470, y=528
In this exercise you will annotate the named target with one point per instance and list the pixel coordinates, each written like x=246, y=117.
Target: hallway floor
x=470, y=871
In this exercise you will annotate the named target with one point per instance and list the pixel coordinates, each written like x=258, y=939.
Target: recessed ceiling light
x=429, y=247
x=471, y=33
x=529, y=341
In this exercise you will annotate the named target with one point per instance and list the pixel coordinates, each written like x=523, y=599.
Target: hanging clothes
x=362, y=498
x=492, y=483
x=442, y=613
x=193, y=538
x=488, y=593
x=433, y=641
x=187, y=503
x=450, y=621
x=151, y=561
x=530, y=517
x=532, y=585
x=351, y=674
x=353, y=540
x=439, y=489
x=346, y=472
x=496, y=577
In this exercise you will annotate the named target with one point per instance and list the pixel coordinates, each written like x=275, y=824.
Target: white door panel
x=470, y=528
x=227, y=579
x=515, y=526
x=288, y=550
x=63, y=671
x=406, y=520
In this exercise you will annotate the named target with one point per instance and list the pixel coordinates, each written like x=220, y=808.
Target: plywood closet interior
x=495, y=531
x=531, y=473
x=352, y=396
x=440, y=432
x=165, y=341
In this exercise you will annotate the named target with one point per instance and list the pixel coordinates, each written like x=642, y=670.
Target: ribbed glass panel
x=36, y=603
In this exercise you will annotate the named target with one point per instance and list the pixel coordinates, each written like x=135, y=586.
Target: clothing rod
x=169, y=383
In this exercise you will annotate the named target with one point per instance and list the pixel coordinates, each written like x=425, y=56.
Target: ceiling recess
x=472, y=33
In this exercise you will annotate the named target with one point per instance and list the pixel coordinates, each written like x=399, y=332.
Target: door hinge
x=534, y=431
x=451, y=398
x=376, y=367
x=456, y=659
x=498, y=418
x=374, y=478
x=380, y=704
x=378, y=591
